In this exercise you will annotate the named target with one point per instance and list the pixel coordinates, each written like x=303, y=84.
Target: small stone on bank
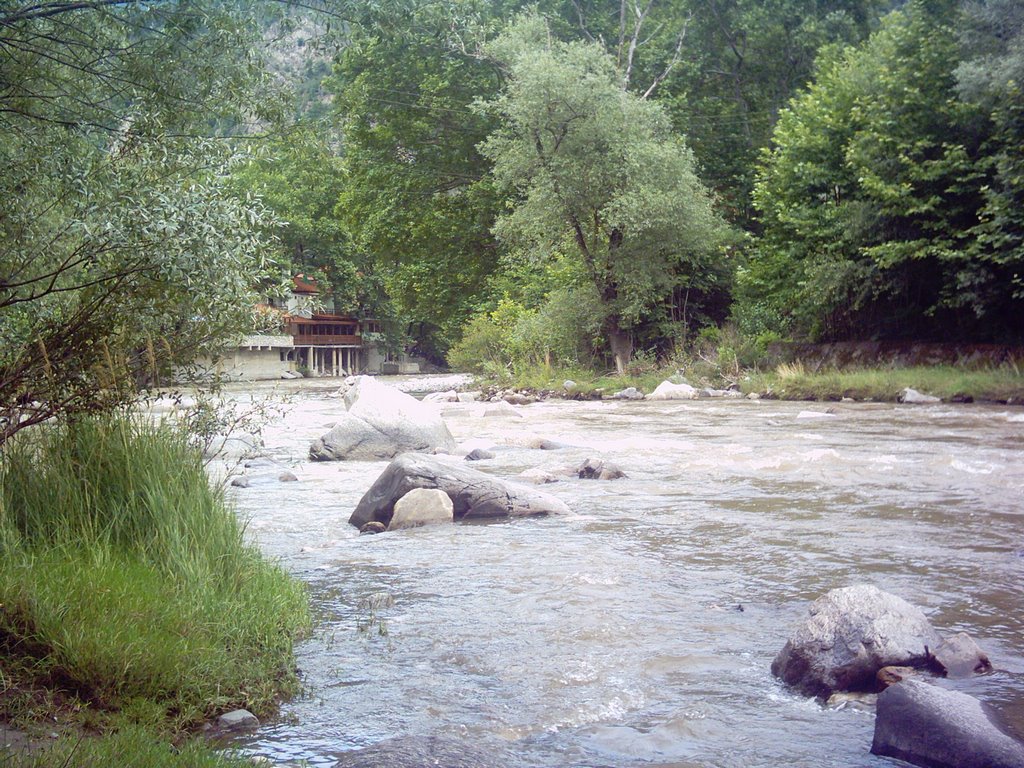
x=237, y=720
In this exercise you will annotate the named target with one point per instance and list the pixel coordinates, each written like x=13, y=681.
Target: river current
x=639, y=631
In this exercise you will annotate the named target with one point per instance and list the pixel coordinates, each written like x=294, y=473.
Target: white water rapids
x=639, y=631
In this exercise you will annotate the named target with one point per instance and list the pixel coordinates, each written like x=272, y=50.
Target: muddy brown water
x=639, y=631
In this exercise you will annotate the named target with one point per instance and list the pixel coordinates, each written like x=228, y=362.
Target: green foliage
x=871, y=200
x=416, y=197
x=132, y=743
x=596, y=171
x=745, y=60
x=794, y=382
x=122, y=251
x=125, y=577
x=564, y=330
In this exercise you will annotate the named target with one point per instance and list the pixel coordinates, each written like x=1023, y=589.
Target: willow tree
x=595, y=170
x=122, y=251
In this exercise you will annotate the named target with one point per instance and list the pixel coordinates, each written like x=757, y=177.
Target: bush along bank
x=132, y=610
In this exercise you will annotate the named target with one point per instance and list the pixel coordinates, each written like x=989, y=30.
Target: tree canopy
x=883, y=204
x=122, y=251
x=597, y=170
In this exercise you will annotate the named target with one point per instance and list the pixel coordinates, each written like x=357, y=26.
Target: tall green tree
x=417, y=198
x=595, y=170
x=743, y=61
x=122, y=250
x=871, y=198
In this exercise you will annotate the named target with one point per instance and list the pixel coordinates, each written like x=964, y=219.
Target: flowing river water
x=639, y=631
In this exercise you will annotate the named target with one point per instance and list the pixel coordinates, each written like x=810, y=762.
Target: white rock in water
x=421, y=506
x=451, y=396
x=669, y=391
x=629, y=393
x=909, y=395
x=381, y=422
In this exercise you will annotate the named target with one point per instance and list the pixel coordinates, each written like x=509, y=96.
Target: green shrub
x=125, y=576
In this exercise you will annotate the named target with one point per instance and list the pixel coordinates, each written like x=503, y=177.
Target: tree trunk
x=621, y=343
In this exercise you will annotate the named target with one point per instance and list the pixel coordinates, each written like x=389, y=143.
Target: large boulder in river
x=669, y=391
x=474, y=494
x=930, y=726
x=849, y=635
x=380, y=423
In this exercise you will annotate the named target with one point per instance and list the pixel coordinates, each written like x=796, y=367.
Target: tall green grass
x=126, y=583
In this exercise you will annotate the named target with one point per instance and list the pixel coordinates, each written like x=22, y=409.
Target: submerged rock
x=380, y=423
x=419, y=752
x=479, y=454
x=451, y=396
x=599, y=469
x=502, y=408
x=421, y=506
x=930, y=726
x=373, y=527
x=629, y=393
x=850, y=634
x=960, y=656
x=238, y=719
x=474, y=495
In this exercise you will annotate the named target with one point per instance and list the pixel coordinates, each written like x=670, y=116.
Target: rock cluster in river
x=474, y=494
x=380, y=422
x=860, y=638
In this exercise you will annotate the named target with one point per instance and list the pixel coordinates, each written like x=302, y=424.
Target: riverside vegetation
x=132, y=608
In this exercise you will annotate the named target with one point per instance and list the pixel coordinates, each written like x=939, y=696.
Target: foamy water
x=639, y=631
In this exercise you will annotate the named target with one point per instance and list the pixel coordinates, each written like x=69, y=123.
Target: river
x=639, y=631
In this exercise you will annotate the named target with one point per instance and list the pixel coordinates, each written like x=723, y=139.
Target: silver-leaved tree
x=596, y=170
x=122, y=251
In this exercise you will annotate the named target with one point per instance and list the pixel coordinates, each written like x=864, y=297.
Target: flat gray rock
x=238, y=719
x=474, y=494
x=937, y=728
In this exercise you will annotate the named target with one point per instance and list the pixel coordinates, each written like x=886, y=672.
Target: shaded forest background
x=864, y=159
x=502, y=184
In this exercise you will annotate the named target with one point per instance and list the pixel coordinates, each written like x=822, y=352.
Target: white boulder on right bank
x=669, y=391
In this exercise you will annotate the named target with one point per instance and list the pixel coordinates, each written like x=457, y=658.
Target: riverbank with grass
x=791, y=381
x=132, y=609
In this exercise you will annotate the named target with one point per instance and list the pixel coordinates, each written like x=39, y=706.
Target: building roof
x=302, y=284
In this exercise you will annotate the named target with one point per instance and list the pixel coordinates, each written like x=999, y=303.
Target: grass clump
x=128, y=594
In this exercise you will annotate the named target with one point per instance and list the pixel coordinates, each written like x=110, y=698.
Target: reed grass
x=128, y=592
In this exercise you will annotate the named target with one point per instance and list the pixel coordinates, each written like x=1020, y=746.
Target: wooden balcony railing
x=313, y=339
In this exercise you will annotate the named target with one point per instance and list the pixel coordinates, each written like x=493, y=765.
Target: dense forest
x=586, y=181
x=501, y=183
